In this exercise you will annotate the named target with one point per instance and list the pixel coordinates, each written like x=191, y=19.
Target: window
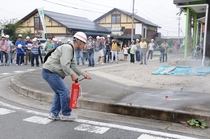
x=116, y=18
x=37, y=24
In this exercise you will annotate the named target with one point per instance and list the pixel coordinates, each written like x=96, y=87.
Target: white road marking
x=5, y=73
x=92, y=129
x=38, y=120
x=30, y=69
x=157, y=133
x=4, y=111
x=145, y=136
x=18, y=71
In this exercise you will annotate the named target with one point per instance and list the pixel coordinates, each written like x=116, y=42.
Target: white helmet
x=137, y=40
x=27, y=37
x=7, y=36
x=54, y=39
x=108, y=36
x=20, y=36
x=81, y=36
x=35, y=39
x=19, y=46
x=97, y=37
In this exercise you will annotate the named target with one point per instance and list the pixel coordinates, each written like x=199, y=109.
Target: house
x=59, y=25
x=119, y=22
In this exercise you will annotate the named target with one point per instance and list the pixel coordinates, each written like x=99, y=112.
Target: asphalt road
x=23, y=122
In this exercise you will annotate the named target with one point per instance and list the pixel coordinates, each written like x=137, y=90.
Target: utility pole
x=179, y=18
x=132, y=22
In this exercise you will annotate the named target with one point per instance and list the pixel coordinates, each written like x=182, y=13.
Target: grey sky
x=161, y=12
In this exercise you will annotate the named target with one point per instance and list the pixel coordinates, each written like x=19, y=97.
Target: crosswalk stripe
x=145, y=136
x=4, y=111
x=108, y=125
x=38, y=120
x=92, y=128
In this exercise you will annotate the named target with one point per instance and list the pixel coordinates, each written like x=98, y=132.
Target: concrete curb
x=29, y=92
x=170, y=115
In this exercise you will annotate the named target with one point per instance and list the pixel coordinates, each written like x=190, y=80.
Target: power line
x=102, y=5
x=157, y=11
x=72, y=7
x=80, y=4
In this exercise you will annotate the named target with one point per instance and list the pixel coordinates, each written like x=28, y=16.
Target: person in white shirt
x=125, y=52
x=151, y=49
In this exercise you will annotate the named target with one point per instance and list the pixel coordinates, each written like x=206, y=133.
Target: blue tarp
x=181, y=70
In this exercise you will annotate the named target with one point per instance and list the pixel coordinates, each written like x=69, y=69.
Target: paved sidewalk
x=131, y=89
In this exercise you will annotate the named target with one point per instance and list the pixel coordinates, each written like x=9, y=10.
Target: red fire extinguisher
x=75, y=90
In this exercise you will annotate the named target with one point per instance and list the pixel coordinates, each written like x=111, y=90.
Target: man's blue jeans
x=79, y=54
x=4, y=55
x=61, y=99
x=91, y=59
x=107, y=52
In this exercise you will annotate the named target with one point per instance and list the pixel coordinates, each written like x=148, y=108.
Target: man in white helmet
x=20, y=44
x=28, y=50
x=3, y=47
x=61, y=63
x=9, y=50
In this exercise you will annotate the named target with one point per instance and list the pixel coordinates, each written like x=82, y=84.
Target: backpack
x=50, y=52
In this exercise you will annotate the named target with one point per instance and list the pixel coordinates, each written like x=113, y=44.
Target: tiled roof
x=143, y=20
x=75, y=22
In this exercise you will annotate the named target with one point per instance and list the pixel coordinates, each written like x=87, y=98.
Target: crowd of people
x=28, y=50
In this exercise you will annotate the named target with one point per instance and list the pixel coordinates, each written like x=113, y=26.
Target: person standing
x=28, y=50
x=4, y=52
x=115, y=45
x=55, y=41
x=137, y=50
x=143, y=50
x=49, y=45
x=20, y=44
x=35, y=52
x=79, y=54
x=107, y=49
x=151, y=49
x=9, y=50
x=125, y=52
x=100, y=47
x=90, y=51
x=132, y=51
x=60, y=64
x=175, y=47
x=165, y=47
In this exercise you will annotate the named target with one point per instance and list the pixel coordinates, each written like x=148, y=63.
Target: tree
x=10, y=27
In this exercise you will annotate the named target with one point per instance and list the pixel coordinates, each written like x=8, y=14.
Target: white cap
x=68, y=40
x=54, y=39
x=27, y=37
x=108, y=36
x=98, y=37
x=137, y=40
x=59, y=40
x=132, y=41
x=35, y=39
x=20, y=36
x=7, y=36
x=81, y=36
x=152, y=40
x=2, y=36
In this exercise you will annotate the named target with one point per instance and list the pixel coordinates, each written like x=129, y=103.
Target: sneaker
x=102, y=63
x=21, y=64
x=68, y=118
x=97, y=63
x=53, y=117
x=16, y=64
